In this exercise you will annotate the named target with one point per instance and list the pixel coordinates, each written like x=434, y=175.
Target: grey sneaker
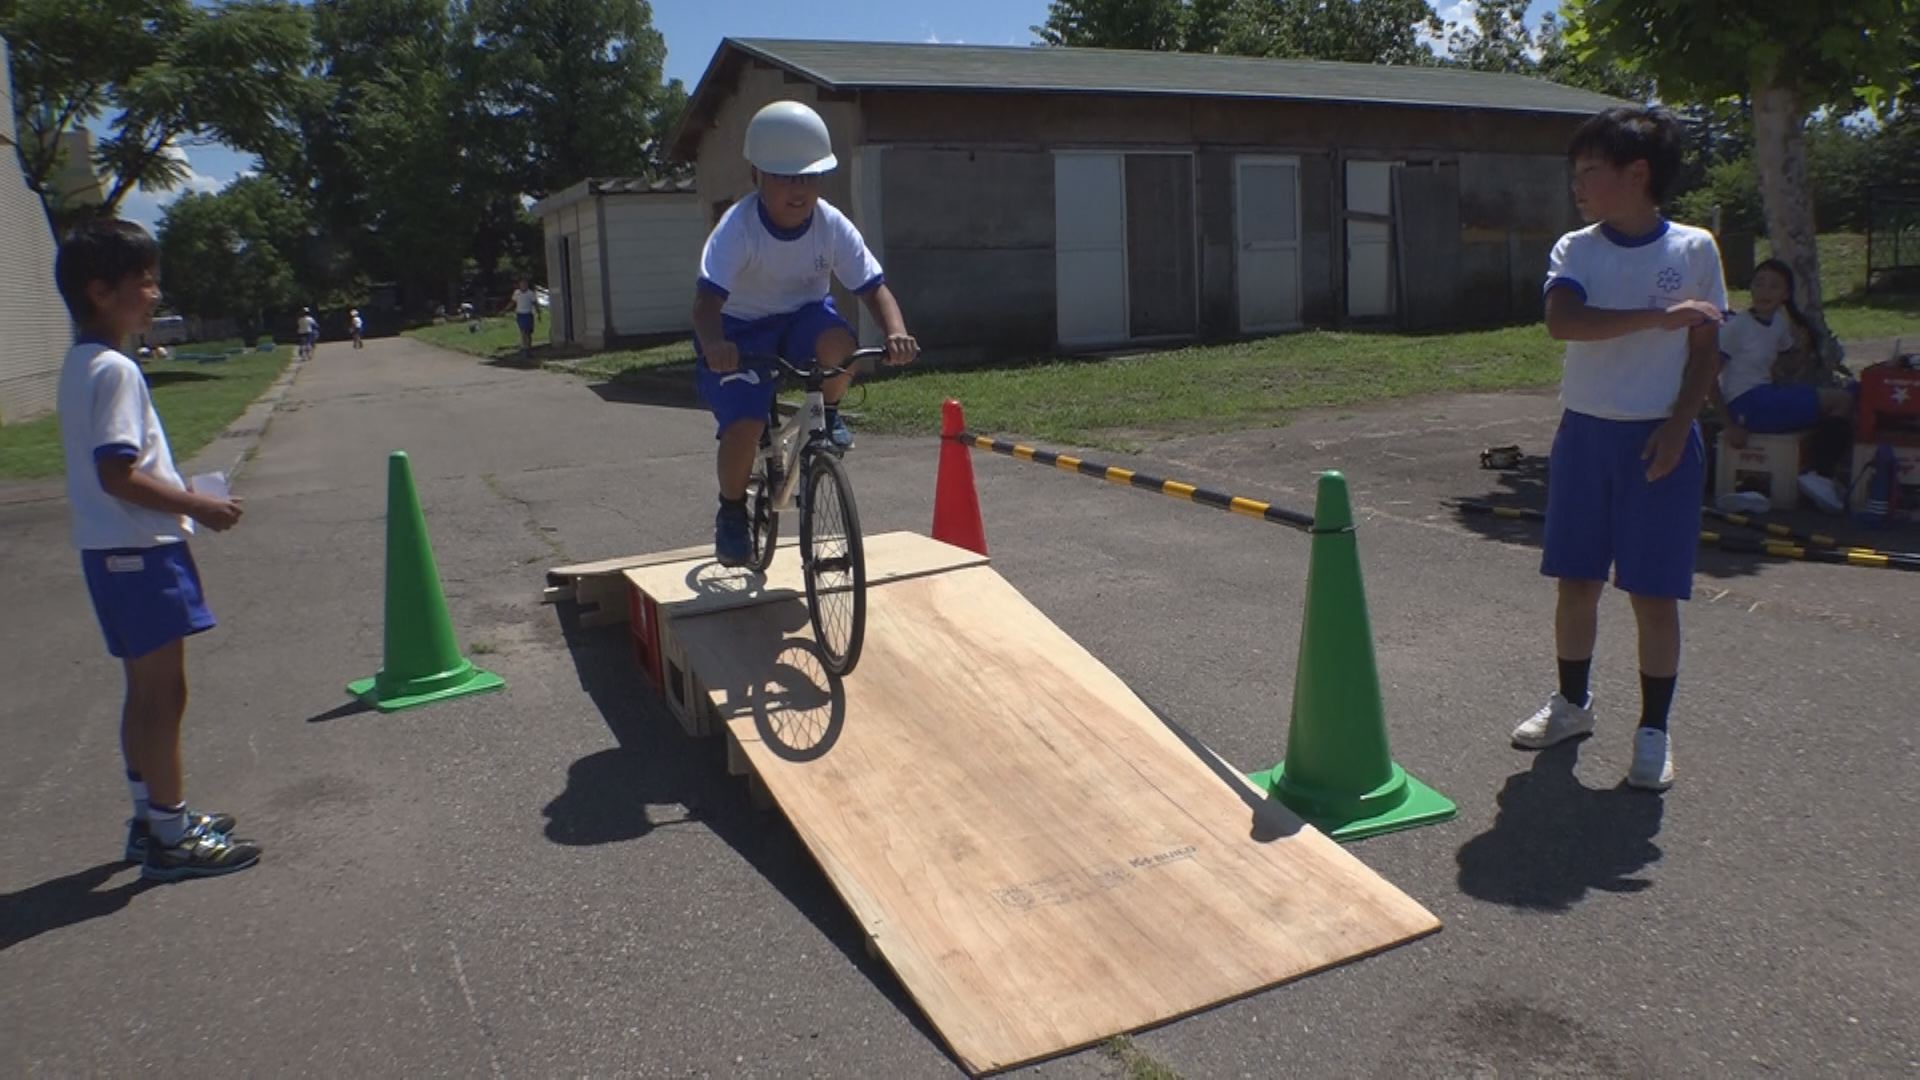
x=1652, y=760
x=200, y=853
x=138, y=835
x=1556, y=722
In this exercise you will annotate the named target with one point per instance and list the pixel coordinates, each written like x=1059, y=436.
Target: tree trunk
x=1780, y=151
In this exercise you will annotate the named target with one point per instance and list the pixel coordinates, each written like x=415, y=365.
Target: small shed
x=1032, y=198
x=622, y=257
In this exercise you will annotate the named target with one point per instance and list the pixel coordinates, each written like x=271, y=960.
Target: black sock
x=1656, y=698
x=833, y=415
x=1573, y=680
x=733, y=504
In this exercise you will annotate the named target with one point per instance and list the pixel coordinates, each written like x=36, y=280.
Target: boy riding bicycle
x=764, y=289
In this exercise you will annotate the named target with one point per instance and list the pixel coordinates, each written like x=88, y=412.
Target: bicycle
x=799, y=466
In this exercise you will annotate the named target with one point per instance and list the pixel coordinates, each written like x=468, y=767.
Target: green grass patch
x=497, y=338
x=1135, y=1063
x=196, y=402
x=1119, y=401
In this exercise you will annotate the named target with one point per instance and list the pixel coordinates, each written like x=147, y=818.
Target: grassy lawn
x=499, y=339
x=1122, y=402
x=195, y=401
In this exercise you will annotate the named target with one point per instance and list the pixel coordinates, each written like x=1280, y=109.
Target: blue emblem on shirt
x=1669, y=280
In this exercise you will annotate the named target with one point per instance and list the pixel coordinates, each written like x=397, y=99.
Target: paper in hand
x=213, y=484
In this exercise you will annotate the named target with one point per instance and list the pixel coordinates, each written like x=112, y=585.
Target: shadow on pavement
x=618, y=794
x=67, y=901
x=1555, y=839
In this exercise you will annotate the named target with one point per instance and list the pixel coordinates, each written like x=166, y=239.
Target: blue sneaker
x=732, y=539
x=839, y=434
x=138, y=836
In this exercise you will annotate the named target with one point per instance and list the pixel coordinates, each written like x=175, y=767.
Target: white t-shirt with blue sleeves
x=105, y=411
x=761, y=269
x=1750, y=348
x=1637, y=376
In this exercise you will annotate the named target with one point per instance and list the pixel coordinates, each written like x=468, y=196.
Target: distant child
x=1639, y=301
x=131, y=520
x=524, y=300
x=1758, y=392
x=359, y=328
x=764, y=290
x=308, y=329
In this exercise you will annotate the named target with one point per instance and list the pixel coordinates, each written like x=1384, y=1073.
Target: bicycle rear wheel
x=834, y=563
x=763, y=521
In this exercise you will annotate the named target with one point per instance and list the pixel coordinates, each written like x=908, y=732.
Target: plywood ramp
x=1041, y=860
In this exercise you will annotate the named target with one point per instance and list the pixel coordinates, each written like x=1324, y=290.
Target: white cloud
x=195, y=180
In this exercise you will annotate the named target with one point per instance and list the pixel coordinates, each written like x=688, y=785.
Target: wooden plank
x=701, y=586
x=1041, y=860
x=561, y=574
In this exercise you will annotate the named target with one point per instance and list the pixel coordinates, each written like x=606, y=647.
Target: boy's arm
x=121, y=480
x=710, y=332
x=1669, y=440
x=1570, y=318
x=901, y=348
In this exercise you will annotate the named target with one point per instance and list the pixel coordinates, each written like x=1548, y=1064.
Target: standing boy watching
x=763, y=289
x=1639, y=301
x=131, y=520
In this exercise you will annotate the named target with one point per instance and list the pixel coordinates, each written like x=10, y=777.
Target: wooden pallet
x=1041, y=860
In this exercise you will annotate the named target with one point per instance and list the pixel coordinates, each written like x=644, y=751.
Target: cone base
x=1402, y=803
x=476, y=681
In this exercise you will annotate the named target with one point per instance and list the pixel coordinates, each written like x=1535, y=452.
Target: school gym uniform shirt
x=1751, y=347
x=761, y=269
x=1636, y=376
x=105, y=411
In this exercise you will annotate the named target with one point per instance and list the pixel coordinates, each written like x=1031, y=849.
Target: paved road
x=553, y=880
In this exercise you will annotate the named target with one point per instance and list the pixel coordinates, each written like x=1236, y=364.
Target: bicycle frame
x=788, y=441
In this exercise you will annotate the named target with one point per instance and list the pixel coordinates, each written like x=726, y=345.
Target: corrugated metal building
x=35, y=331
x=622, y=256
x=1032, y=197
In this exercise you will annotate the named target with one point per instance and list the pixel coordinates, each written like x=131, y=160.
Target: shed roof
x=852, y=66
x=612, y=185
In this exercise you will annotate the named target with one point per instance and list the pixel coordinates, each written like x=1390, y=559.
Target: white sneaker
x=1652, y=760
x=1824, y=493
x=1556, y=722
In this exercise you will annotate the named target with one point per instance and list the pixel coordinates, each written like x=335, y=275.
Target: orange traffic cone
x=956, y=505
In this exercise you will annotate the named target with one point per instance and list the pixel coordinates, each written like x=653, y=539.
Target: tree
x=162, y=73
x=1359, y=31
x=566, y=89
x=1496, y=40
x=1363, y=31
x=234, y=254
x=1154, y=25
x=1787, y=59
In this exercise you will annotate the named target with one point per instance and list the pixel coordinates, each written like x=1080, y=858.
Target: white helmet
x=788, y=139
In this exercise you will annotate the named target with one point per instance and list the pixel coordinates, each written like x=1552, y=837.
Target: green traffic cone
x=422, y=661
x=1338, y=773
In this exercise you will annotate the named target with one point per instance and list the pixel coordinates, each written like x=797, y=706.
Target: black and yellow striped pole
x=1822, y=549
x=1219, y=500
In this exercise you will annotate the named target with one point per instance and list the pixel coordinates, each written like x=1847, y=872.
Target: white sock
x=168, y=823
x=138, y=788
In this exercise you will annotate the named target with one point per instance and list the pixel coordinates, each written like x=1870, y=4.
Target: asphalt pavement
x=553, y=880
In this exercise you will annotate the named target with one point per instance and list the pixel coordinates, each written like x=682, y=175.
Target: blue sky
x=694, y=28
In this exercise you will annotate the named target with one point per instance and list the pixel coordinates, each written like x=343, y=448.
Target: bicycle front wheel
x=834, y=563
x=763, y=521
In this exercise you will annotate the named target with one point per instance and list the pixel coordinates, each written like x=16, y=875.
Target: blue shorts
x=1602, y=513
x=525, y=321
x=748, y=394
x=145, y=598
x=1775, y=408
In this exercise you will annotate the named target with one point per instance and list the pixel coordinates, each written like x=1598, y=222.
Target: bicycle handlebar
x=770, y=360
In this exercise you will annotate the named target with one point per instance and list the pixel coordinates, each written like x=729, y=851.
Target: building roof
x=853, y=66
x=594, y=186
